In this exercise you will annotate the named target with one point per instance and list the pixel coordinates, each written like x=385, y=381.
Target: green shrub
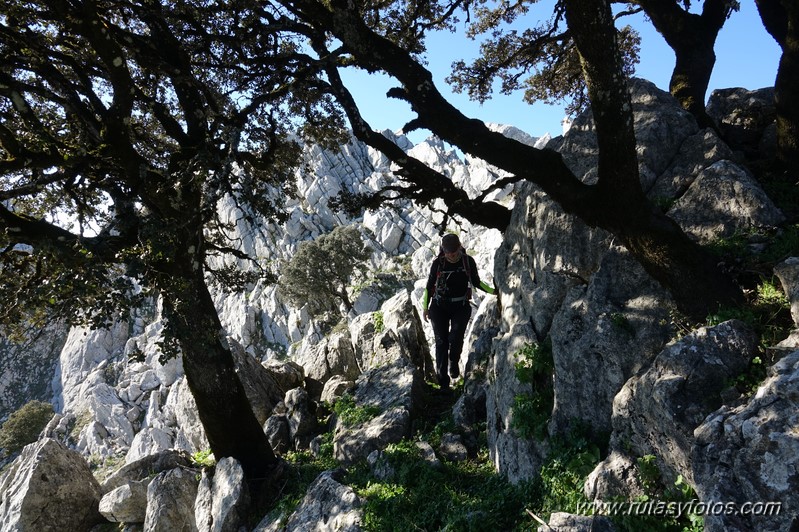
x=768, y=313
x=351, y=414
x=531, y=411
x=23, y=426
x=563, y=475
x=378, y=321
x=203, y=458
x=319, y=273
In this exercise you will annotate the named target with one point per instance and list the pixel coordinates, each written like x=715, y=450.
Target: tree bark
x=781, y=20
x=222, y=404
x=692, y=37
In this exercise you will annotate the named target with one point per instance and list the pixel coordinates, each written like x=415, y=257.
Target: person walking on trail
x=446, y=303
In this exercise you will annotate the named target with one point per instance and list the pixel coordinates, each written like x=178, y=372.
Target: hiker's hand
x=426, y=314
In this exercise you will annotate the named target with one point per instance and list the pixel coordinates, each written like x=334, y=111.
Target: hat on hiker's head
x=450, y=243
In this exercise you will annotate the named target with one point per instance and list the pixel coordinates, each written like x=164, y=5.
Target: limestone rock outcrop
x=49, y=488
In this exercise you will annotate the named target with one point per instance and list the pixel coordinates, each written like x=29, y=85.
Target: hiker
x=446, y=302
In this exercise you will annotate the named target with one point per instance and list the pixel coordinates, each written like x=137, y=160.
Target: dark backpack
x=440, y=290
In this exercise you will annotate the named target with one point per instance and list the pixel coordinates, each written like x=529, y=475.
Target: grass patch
x=768, y=313
x=560, y=486
x=455, y=496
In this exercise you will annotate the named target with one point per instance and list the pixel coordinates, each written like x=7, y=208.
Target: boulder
x=452, y=447
x=616, y=324
x=170, y=502
x=49, y=488
x=394, y=390
x=724, y=200
x=148, y=441
x=697, y=153
x=262, y=389
x=146, y=467
x=565, y=522
x=470, y=408
x=616, y=477
x=333, y=355
x=743, y=117
x=483, y=328
x=328, y=505
x=288, y=374
x=301, y=417
x=362, y=332
x=788, y=273
x=277, y=430
x=749, y=454
x=222, y=498
x=126, y=504
x=661, y=127
x=189, y=431
x=657, y=411
x=401, y=317
x=335, y=388
x=517, y=458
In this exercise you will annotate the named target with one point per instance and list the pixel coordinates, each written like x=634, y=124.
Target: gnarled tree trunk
x=781, y=19
x=693, y=38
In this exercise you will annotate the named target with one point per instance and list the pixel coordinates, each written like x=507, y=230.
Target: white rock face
x=47, y=471
x=131, y=409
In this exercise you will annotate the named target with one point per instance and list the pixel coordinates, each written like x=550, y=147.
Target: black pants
x=449, y=326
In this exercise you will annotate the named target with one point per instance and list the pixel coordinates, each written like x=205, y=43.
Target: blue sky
x=747, y=56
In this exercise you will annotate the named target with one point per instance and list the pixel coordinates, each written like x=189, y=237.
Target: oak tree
x=122, y=126
x=321, y=271
x=388, y=37
x=781, y=19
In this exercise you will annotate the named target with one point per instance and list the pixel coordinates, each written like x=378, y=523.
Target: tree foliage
x=321, y=271
x=23, y=426
x=541, y=61
x=122, y=126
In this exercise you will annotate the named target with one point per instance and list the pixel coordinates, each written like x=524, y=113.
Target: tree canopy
x=123, y=125
x=321, y=271
x=615, y=202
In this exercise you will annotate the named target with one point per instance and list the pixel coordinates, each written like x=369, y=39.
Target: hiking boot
x=454, y=370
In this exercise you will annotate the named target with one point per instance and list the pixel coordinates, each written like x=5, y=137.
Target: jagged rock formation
x=49, y=488
x=559, y=281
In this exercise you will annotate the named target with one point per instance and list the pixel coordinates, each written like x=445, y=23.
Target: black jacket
x=451, y=279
